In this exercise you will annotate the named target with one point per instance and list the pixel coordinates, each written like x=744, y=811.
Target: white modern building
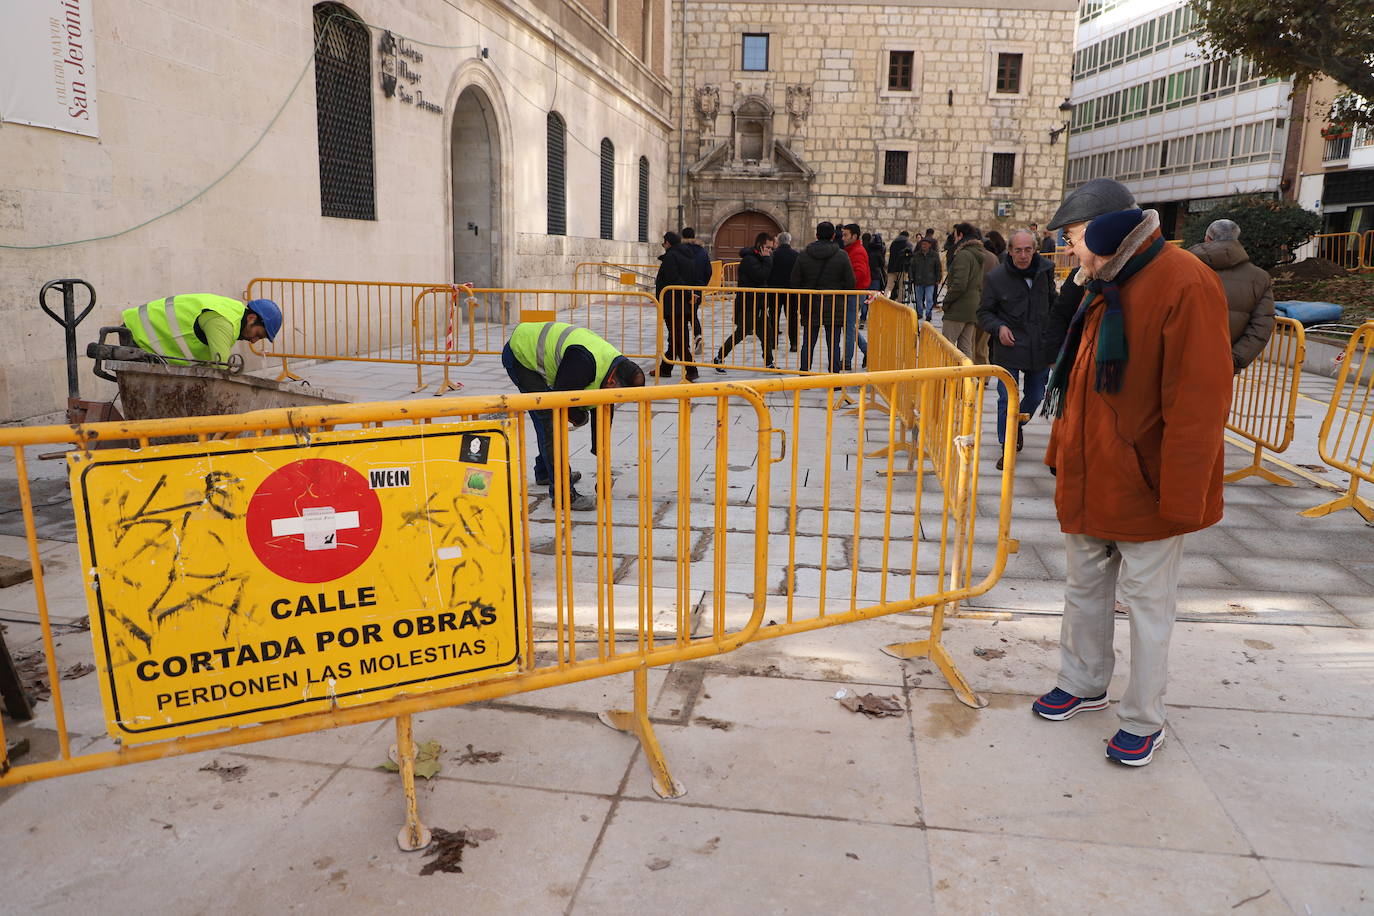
x=1182, y=132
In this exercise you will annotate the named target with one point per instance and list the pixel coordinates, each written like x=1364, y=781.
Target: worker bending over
x=200, y=326
x=556, y=356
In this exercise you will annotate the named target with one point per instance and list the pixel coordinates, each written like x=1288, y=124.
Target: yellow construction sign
x=238, y=582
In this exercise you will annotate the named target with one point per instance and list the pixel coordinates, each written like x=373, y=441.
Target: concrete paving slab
x=1311, y=888
x=789, y=748
x=537, y=748
x=977, y=873
x=63, y=587
x=136, y=826
x=1057, y=782
x=661, y=858
x=1359, y=611
x=1295, y=785
x=532, y=845
x=844, y=654
x=585, y=697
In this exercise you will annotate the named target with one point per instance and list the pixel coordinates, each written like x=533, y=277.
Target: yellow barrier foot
x=636, y=722
x=448, y=386
x=414, y=836
x=1254, y=470
x=936, y=652
x=1348, y=501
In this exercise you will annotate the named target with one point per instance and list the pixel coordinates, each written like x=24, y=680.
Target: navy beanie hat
x=1105, y=234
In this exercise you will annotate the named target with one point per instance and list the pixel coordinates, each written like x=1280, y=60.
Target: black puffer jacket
x=677, y=269
x=822, y=265
x=1008, y=302
x=754, y=268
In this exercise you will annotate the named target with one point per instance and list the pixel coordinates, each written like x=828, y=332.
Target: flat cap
x=1099, y=196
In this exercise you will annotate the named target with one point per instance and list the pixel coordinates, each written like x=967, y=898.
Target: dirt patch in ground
x=1352, y=291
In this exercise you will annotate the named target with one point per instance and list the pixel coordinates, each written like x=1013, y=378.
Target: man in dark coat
x=925, y=270
x=1015, y=311
x=1249, y=291
x=754, y=312
x=701, y=258
x=780, y=277
x=676, y=269
x=823, y=265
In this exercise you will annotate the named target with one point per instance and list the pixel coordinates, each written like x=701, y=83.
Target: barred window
x=607, y=189
x=894, y=166
x=1003, y=169
x=1009, y=73
x=558, y=175
x=644, y=198
x=343, y=113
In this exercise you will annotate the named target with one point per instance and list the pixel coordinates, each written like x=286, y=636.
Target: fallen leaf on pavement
x=446, y=850
x=875, y=707
x=990, y=653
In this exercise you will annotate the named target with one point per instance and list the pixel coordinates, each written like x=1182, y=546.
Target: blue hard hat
x=270, y=314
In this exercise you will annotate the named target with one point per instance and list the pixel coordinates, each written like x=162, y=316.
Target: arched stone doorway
x=738, y=231
x=476, y=171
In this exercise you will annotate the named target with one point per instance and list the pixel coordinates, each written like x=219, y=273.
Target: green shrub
x=1269, y=229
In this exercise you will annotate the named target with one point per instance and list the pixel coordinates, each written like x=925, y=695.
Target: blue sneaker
x=1059, y=704
x=1133, y=750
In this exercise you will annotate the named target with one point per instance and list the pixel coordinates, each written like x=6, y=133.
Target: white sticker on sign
x=449, y=553
x=319, y=525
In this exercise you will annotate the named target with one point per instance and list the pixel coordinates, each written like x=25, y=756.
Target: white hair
x=784, y=238
x=1223, y=230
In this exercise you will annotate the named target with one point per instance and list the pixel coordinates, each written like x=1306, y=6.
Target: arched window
x=343, y=113
x=607, y=189
x=644, y=198
x=558, y=175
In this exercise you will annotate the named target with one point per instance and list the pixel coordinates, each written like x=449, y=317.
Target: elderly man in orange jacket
x=1140, y=394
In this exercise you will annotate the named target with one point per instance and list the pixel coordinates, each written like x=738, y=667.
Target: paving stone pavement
x=1260, y=801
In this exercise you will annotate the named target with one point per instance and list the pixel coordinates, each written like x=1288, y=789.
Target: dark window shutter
x=343, y=113
x=607, y=189
x=644, y=198
x=558, y=175
x=1003, y=169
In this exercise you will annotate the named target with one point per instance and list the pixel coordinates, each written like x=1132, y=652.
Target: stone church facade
x=895, y=116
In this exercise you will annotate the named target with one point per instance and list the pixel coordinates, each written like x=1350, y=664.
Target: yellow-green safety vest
x=539, y=345
x=167, y=327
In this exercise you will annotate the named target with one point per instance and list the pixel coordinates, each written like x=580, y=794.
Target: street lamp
x=1066, y=109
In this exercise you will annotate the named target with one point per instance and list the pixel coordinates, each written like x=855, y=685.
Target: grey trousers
x=1145, y=575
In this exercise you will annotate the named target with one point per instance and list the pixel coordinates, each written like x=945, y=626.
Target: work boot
x=665, y=370
x=690, y=373
x=1020, y=437
x=582, y=502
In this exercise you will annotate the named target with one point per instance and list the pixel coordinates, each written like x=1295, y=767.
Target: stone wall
x=840, y=117
x=186, y=89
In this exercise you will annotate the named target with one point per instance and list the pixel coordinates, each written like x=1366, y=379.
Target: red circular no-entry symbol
x=314, y=520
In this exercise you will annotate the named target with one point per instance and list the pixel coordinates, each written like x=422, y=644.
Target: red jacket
x=858, y=256
x=1146, y=463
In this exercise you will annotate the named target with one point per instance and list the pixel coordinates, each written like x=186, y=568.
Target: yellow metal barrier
x=607, y=275
x=344, y=319
x=1367, y=260
x=439, y=325
x=1347, y=433
x=752, y=328
x=1264, y=399
x=729, y=273
x=586, y=587
x=1346, y=249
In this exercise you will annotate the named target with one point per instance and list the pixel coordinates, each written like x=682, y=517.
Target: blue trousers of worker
x=1032, y=393
x=527, y=380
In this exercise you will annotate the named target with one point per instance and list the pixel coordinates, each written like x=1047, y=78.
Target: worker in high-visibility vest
x=556, y=356
x=200, y=326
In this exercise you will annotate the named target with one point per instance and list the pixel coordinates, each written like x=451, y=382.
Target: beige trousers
x=961, y=334
x=1145, y=577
